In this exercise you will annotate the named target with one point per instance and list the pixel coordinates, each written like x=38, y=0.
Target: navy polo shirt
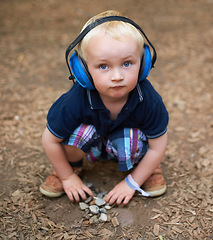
x=144, y=110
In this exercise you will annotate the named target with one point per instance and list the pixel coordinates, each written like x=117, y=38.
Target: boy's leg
x=75, y=157
x=52, y=186
x=75, y=149
x=155, y=185
x=129, y=146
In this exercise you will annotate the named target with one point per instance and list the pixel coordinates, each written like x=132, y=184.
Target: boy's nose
x=117, y=75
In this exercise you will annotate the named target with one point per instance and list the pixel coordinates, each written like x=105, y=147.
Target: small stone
x=102, y=210
x=83, y=206
x=103, y=217
x=86, y=214
x=94, y=209
x=107, y=206
x=88, y=200
x=100, y=202
x=99, y=195
x=92, y=202
x=94, y=219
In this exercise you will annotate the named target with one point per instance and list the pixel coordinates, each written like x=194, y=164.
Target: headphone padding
x=146, y=63
x=80, y=72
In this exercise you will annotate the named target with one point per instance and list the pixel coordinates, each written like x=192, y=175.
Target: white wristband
x=133, y=185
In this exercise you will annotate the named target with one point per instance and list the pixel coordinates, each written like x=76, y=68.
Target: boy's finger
x=76, y=196
x=82, y=194
x=108, y=196
x=120, y=199
x=70, y=196
x=88, y=190
x=112, y=199
x=126, y=200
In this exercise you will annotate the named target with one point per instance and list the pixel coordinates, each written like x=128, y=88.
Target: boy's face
x=114, y=65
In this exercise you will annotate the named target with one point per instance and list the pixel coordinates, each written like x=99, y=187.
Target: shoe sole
x=50, y=194
x=157, y=193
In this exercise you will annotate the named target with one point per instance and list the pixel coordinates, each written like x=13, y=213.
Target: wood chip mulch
x=30, y=81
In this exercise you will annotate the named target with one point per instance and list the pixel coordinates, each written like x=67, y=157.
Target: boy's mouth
x=117, y=87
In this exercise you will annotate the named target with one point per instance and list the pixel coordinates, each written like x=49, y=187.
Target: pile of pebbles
x=95, y=208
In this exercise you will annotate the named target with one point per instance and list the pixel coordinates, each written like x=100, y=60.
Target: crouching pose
x=111, y=112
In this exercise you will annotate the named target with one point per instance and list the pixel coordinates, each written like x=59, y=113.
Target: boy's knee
x=73, y=153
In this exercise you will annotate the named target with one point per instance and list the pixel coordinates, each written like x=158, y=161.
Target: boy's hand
x=121, y=193
x=74, y=188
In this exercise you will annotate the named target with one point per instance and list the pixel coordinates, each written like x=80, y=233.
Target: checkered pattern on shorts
x=127, y=146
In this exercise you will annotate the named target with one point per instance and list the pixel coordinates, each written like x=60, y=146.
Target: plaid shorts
x=126, y=146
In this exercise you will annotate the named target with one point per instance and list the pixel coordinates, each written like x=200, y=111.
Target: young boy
x=120, y=119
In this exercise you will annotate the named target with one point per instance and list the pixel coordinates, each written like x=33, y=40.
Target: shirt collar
x=135, y=97
x=95, y=100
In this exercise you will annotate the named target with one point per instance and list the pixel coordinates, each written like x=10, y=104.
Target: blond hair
x=115, y=29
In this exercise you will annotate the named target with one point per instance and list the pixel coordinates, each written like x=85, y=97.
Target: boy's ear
x=146, y=63
x=80, y=71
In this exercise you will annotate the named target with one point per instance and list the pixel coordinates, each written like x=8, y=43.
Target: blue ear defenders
x=78, y=68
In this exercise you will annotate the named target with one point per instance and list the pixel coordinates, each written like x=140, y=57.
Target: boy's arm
x=152, y=159
x=73, y=186
x=122, y=193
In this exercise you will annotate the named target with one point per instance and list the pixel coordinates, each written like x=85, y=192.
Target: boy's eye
x=103, y=66
x=126, y=64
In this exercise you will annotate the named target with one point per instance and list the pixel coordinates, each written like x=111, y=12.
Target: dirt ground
x=33, y=39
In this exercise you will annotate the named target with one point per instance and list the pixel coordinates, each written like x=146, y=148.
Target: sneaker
x=155, y=185
x=52, y=186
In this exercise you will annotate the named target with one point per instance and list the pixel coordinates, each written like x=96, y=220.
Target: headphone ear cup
x=146, y=63
x=80, y=71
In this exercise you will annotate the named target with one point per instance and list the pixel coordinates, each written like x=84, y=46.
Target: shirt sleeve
x=64, y=115
x=154, y=115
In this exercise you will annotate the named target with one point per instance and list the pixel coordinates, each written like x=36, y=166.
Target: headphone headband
x=97, y=23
